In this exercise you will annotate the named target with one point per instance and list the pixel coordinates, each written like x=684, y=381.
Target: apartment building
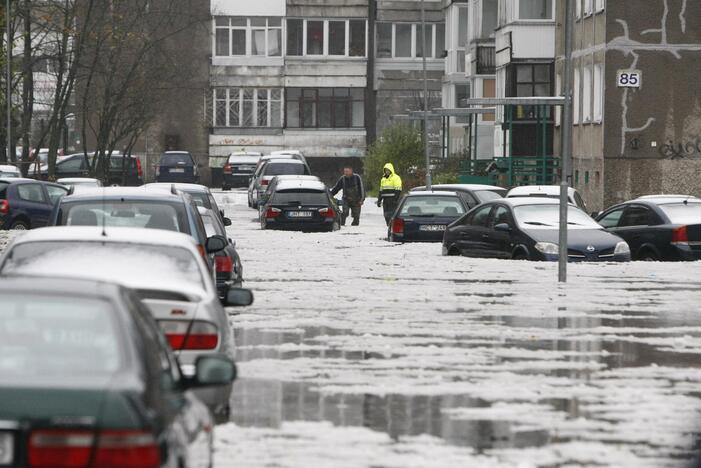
x=637, y=117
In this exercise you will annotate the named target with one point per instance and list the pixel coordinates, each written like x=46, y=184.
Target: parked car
x=227, y=261
x=79, y=184
x=166, y=270
x=660, y=227
x=199, y=193
x=528, y=229
x=301, y=205
x=135, y=207
x=177, y=166
x=269, y=169
x=296, y=154
x=89, y=380
x=424, y=216
x=122, y=169
x=272, y=185
x=9, y=172
x=239, y=169
x=472, y=194
x=27, y=203
x=547, y=191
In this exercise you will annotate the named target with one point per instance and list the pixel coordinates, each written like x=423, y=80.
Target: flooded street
x=358, y=352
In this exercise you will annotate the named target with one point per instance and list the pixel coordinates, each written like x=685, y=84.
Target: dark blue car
x=27, y=203
x=424, y=216
x=178, y=167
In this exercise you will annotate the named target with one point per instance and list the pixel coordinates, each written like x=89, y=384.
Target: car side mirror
x=238, y=297
x=502, y=227
x=221, y=212
x=227, y=221
x=212, y=371
x=215, y=244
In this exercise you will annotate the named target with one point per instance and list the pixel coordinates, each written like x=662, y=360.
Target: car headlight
x=547, y=248
x=621, y=249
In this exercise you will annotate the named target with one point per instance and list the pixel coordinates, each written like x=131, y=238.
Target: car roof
x=531, y=190
x=246, y=153
x=68, y=180
x=433, y=193
x=315, y=185
x=178, y=186
x=292, y=152
x=133, y=193
x=460, y=187
x=8, y=167
x=176, y=152
x=243, y=158
x=665, y=197
x=58, y=285
x=285, y=156
x=111, y=234
x=17, y=179
x=284, y=161
x=522, y=201
x=280, y=178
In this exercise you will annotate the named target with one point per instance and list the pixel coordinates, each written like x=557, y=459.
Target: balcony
x=486, y=60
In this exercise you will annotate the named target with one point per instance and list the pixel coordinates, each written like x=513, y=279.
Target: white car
x=80, y=184
x=165, y=268
x=8, y=171
x=547, y=191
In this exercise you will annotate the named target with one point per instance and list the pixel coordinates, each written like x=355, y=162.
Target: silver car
x=165, y=268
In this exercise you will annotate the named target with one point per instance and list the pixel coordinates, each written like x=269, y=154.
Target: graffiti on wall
x=681, y=150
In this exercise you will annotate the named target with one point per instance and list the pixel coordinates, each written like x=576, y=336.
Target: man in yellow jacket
x=390, y=191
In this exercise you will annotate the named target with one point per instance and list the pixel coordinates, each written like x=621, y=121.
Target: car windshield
x=44, y=336
x=111, y=213
x=448, y=206
x=548, y=217
x=136, y=264
x=173, y=159
x=300, y=197
x=488, y=195
x=284, y=169
x=680, y=213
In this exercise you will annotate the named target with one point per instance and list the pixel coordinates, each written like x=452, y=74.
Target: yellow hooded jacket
x=393, y=182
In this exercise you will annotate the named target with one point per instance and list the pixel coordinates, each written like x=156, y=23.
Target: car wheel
x=19, y=226
x=648, y=255
x=520, y=255
x=225, y=188
x=453, y=252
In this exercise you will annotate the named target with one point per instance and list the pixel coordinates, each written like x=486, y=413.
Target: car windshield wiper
x=536, y=223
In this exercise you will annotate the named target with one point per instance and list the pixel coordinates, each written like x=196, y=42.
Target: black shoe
x=355, y=223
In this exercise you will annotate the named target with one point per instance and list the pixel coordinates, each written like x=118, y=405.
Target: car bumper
x=307, y=226
x=685, y=253
x=420, y=236
x=588, y=259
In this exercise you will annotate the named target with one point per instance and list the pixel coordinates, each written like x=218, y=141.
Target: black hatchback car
x=89, y=380
x=424, y=216
x=300, y=205
x=528, y=229
x=658, y=227
x=472, y=194
x=121, y=169
x=177, y=166
x=27, y=203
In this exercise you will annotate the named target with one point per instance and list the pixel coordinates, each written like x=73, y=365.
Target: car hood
x=598, y=238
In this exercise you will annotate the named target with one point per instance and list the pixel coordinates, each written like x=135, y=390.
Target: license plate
x=300, y=214
x=432, y=227
x=177, y=171
x=7, y=448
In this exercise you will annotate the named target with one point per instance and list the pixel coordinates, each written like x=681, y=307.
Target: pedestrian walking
x=390, y=191
x=353, y=195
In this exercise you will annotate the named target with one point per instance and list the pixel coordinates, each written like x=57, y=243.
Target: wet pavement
x=359, y=352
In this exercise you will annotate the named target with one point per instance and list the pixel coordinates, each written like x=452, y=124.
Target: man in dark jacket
x=353, y=194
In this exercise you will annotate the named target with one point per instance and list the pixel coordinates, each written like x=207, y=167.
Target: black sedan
x=88, y=379
x=472, y=194
x=227, y=261
x=424, y=216
x=527, y=229
x=658, y=227
x=300, y=205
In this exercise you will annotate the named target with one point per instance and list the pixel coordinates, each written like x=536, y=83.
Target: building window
x=462, y=92
x=339, y=38
x=532, y=80
x=236, y=36
x=247, y=107
x=325, y=108
x=600, y=5
x=403, y=40
x=578, y=8
x=586, y=94
x=598, y=93
x=575, y=97
x=489, y=17
x=588, y=7
x=535, y=9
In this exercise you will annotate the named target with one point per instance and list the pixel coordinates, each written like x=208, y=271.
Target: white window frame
x=326, y=38
x=558, y=92
x=578, y=8
x=598, y=111
x=237, y=96
x=517, y=13
x=248, y=35
x=587, y=102
x=575, y=97
x=588, y=7
x=600, y=6
x=431, y=29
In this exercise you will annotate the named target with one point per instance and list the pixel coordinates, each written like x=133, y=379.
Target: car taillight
x=224, y=264
x=115, y=448
x=202, y=251
x=327, y=212
x=227, y=168
x=397, y=226
x=183, y=334
x=139, y=171
x=264, y=182
x=158, y=171
x=680, y=236
x=272, y=213
x=4, y=207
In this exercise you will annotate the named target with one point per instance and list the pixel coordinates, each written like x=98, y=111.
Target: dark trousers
x=388, y=208
x=354, y=209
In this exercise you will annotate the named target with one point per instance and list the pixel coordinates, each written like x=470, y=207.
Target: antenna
x=104, y=234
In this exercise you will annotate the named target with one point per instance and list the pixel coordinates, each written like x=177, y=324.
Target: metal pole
x=425, y=129
x=8, y=77
x=566, y=149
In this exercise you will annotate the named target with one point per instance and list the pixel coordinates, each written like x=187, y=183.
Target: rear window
x=432, y=206
x=285, y=169
x=44, y=336
x=138, y=214
x=178, y=158
x=489, y=195
x=679, y=213
x=300, y=197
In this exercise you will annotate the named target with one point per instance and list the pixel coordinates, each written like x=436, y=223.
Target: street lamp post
x=566, y=148
x=425, y=119
x=8, y=78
